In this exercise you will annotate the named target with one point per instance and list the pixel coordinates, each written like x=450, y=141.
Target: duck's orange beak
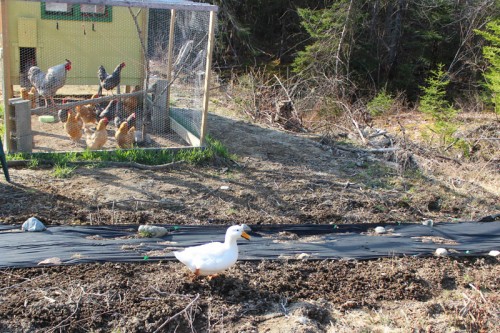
x=245, y=235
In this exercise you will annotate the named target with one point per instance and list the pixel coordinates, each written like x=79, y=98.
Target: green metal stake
x=4, y=162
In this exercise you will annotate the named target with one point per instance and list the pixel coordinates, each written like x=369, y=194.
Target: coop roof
x=165, y=4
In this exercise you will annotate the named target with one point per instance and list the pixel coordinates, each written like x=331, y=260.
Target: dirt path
x=280, y=178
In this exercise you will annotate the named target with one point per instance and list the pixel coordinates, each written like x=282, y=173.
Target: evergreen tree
x=433, y=103
x=492, y=54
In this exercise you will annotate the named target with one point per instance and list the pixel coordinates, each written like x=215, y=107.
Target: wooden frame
x=210, y=48
x=7, y=84
x=162, y=4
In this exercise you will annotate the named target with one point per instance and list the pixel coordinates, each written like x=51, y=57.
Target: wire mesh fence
x=111, y=75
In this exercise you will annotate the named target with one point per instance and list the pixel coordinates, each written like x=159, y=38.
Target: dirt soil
x=277, y=178
x=51, y=137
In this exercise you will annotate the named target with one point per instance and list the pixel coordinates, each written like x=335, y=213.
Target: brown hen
x=74, y=126
x=97, y=139
x=125, y=136
x=87, y=113
x=130, y=103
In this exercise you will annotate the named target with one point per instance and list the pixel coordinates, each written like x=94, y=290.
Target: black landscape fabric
x=115, y=243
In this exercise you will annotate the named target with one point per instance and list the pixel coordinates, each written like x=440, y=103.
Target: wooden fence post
x=6, y=83
x=22, y=124
x=160, y=114
x=208, y=68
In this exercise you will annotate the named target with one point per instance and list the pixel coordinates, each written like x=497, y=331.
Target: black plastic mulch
x=118, y=243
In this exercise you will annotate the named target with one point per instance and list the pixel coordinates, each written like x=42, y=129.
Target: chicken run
x=112, y=75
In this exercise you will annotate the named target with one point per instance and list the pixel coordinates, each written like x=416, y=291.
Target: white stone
x=441, y=252
x=494, y=253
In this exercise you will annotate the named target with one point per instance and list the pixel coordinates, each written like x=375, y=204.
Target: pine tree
x=433, y=103
x=492, y=54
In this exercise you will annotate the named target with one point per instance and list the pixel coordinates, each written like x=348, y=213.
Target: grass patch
x=62, y=171
x=214, y=151
x=374, y=175
x=33, y=163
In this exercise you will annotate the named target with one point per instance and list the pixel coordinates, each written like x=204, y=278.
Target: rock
x=152, y=231
x=441, y=252
x=380, y=230
x=303, y=256
x=51, y=261
x=494, y=253
x=428, y=223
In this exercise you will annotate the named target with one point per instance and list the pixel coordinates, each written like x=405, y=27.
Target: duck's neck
x=230, y=241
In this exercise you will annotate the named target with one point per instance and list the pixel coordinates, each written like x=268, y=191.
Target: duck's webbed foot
x=195, y=275
x=213, y=276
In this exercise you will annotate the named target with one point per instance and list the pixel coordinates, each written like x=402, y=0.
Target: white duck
x=213, y=258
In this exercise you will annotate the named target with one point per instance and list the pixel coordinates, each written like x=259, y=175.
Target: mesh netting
x=106, y=76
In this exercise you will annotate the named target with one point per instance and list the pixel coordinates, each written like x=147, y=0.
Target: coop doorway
x=27, y=59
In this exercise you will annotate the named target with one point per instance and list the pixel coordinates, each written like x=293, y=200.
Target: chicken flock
x=80, y=120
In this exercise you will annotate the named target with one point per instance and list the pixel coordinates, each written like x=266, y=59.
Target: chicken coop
x=105, y=74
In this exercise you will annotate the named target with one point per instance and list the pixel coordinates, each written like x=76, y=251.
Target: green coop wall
x=87, y=44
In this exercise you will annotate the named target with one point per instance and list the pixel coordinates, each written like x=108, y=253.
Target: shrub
x=433, y=103
x=380, y=104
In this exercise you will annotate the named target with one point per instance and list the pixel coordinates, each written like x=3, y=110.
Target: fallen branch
x=24, y=163
x=178, y=313
x=363, y=139
x=361, y=150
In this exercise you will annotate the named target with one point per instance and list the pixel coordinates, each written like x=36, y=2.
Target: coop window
x=59, y=8
x=84, y=12
x=93, y=9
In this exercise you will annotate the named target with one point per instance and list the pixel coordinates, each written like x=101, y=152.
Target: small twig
x=283, y=304
x=451, y=144
x=178, y=313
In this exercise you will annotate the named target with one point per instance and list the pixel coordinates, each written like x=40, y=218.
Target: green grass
x=372, y=174
x=62, y=171
x=213, y=151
